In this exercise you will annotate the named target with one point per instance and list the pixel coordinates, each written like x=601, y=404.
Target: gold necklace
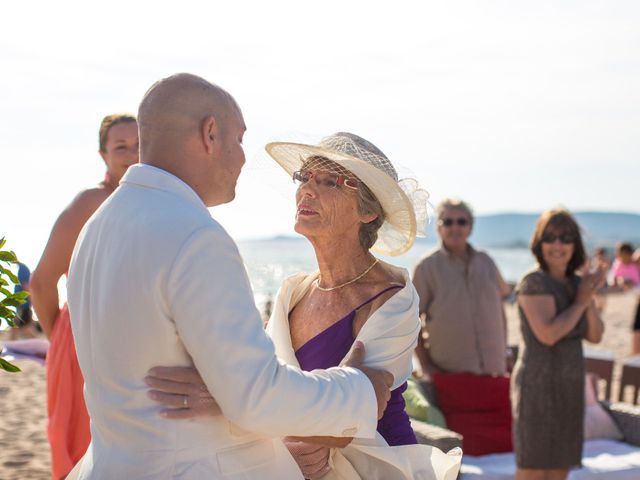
x=328, y=289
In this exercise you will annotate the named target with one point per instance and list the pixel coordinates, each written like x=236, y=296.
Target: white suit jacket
x=390, y=335
x=154, y=280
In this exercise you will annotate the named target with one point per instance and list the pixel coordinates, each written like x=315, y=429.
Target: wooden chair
x=600, y=363
x=630, y=378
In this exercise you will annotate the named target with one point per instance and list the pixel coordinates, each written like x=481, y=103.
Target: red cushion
x=478, y=407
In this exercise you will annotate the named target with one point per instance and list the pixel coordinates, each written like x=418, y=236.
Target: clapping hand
x=592, y=281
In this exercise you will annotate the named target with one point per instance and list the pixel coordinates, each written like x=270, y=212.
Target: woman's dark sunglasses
x=565, y=238
x=447, y=222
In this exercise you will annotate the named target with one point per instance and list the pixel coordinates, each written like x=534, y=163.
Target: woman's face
x=327, y=211
x=121, y=149
x=557, y=248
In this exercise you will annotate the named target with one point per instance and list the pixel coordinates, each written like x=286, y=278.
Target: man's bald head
x=193, y=130
x=173, y=109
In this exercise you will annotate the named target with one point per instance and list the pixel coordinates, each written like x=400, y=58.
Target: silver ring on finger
x=185, y=401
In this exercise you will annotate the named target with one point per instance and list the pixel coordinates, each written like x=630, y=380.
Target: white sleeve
x=211, y=301
x=390, y=335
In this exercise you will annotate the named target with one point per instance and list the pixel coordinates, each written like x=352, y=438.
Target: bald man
x=154, y=280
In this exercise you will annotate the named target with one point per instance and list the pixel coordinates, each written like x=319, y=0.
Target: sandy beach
x=24, y=450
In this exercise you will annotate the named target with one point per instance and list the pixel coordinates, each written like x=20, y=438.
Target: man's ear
x=210, y=133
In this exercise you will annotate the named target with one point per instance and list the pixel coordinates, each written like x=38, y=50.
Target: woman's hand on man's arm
x=182, y=391
x=312, y=459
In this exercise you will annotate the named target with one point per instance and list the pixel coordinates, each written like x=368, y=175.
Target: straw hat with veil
x=403, y=202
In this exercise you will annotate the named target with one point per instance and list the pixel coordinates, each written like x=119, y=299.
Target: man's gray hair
x=454, y=203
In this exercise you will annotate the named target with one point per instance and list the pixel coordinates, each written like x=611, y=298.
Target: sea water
x=270, y=261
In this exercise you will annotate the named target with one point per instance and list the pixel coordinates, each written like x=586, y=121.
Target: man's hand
x=313, y=460
x=380, y=379
x=182, y=389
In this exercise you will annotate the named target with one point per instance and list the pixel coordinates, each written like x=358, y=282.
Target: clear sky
x=513, y=106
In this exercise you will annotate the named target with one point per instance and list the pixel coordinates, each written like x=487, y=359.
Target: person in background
x=625, y=275
x=25, y=327
x=635, y=349
x=557, y=310
x=461, y=292
x=624, y=271
x=68, y=428
x=600, y=257
x=267, y=309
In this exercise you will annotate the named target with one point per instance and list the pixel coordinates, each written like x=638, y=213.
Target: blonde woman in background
x=68, y=428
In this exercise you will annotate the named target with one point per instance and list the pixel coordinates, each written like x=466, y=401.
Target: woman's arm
x=57, y=254
x=427, y=364
x=505, y=288
x=548, y=327
x=595, y=326
x=540, y=310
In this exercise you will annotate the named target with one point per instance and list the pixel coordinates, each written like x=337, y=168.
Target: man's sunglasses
x=448, y=222
x=565, y=238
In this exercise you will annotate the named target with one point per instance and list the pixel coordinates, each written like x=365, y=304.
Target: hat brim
x=398, y=232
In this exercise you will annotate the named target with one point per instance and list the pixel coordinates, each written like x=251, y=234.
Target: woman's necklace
x=328, y=289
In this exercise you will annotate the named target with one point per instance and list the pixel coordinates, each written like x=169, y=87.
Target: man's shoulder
x=431, y=257
x=163, y=207
x=153, y=216
x=482, y=257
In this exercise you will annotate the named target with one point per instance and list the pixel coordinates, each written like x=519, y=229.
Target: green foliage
x=10, y=300
x=8, y=366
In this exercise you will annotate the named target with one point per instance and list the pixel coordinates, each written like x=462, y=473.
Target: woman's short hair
x=559, y=220
x=369, y=204
x=454, y=203
x=111, y=121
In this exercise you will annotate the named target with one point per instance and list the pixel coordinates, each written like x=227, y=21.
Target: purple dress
x=330, y=346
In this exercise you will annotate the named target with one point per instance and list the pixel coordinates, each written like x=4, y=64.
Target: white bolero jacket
x=389, y=336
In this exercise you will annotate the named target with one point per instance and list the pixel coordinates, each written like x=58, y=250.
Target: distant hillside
x=513, y=230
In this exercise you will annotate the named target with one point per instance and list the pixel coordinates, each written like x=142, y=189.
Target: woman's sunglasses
x=565, y=238
x=448, y=222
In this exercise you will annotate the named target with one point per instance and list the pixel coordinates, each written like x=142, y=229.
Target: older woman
x=557, y=311
x=349, y=201
x=68, y=427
